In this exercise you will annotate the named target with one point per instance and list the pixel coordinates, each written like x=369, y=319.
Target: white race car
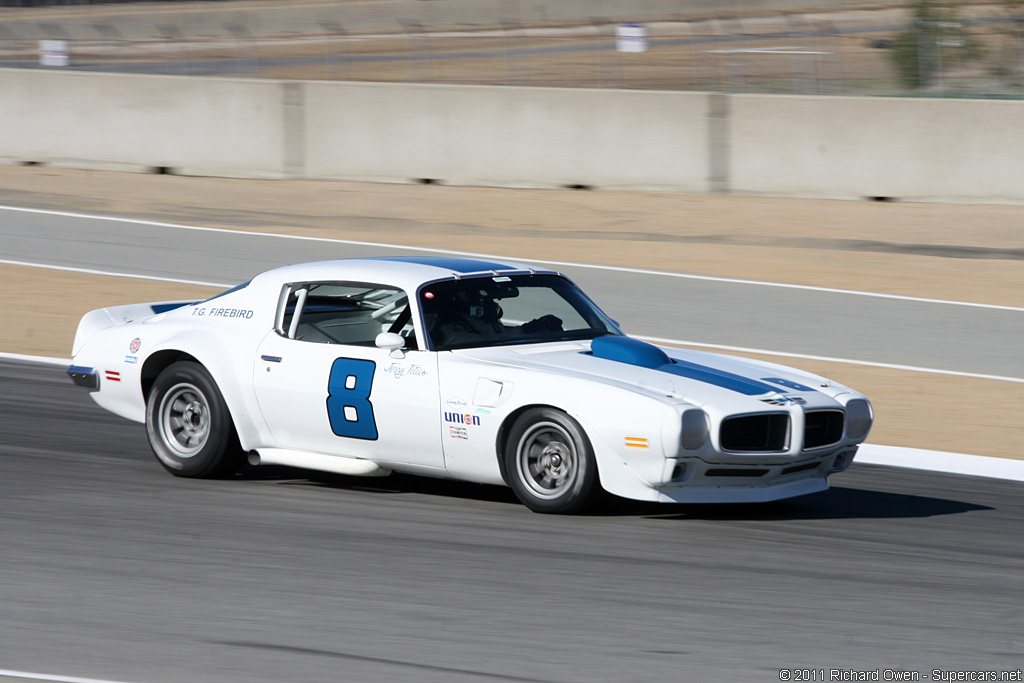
x=496, y=373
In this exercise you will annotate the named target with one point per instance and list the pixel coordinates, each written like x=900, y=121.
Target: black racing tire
x=550, y=463
x=189, y=426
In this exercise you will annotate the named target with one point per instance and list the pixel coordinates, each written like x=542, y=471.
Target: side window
x=343, y=313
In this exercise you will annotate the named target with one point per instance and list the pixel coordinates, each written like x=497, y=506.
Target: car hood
x=697, y=377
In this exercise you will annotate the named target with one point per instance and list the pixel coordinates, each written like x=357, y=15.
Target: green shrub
x=935, y=40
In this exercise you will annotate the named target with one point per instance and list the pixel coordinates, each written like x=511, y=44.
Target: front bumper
x=739, y=494
x=85, y=377
x=691, y=480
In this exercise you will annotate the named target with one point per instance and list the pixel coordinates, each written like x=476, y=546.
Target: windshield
x=509, y=309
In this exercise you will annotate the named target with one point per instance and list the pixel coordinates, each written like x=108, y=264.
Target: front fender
x=631, y=433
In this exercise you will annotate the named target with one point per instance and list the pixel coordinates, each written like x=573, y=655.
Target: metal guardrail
x=824, y=53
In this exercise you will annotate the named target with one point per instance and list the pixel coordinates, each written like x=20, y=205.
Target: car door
x=324, y=386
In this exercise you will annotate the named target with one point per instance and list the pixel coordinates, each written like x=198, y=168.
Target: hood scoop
x=641, y=354
x=631, y=351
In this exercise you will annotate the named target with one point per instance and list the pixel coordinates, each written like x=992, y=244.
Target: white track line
x=571, y=264
x=36, y=359
x=893, y=456
x=90, y=271
x=937, y=461
x=47, y=677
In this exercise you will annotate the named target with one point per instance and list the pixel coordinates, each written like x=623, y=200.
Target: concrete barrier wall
x=876, y=147
x=92, y=120
x=508, y=136
x=840, y=147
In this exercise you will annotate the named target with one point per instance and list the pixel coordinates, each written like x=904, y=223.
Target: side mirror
x=392, y=342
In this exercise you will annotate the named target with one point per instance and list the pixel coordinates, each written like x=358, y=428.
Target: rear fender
x=112, y=316
x=231, y=368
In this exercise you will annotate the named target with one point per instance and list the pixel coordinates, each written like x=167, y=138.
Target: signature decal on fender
x=399, y=371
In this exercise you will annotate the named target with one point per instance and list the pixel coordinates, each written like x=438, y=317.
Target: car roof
x=407, y=272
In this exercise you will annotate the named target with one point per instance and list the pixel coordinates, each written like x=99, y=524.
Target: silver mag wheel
x=549, y=462
x=188, y=424
x=184, y=416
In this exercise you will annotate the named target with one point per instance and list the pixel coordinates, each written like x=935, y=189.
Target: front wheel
x=550, y=462
x=189, y=426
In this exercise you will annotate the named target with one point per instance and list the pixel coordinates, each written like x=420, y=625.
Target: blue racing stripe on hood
x=456, y=265
x=721, y=378
x=642, y=354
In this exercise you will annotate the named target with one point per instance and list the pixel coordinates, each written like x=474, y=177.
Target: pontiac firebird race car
x=496, y=373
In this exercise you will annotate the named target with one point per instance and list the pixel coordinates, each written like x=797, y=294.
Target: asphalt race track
x=114, y=569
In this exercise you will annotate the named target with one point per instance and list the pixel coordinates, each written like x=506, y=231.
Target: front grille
x=763, y=433
x=823, y=428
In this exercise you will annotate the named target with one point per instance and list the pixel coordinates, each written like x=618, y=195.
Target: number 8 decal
x=348, y=398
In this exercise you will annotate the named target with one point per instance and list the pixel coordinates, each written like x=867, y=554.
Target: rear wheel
x=189, y=426
x=550, y=462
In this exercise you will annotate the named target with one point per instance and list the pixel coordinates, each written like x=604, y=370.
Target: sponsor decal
x=223, y=312
x=399, y=371
x=483, y=411
x=113, y=376
x=456, y=403
x=131, y=360
x=636, y=442
x=462, y=418
x=458, y=432
x=785, y=401
x=135, y=345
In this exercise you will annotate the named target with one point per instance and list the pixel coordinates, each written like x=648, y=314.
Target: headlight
x=858, y=418
x=695, y=429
